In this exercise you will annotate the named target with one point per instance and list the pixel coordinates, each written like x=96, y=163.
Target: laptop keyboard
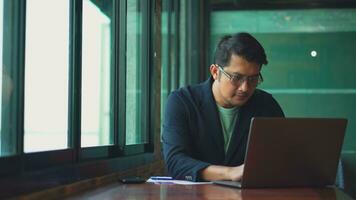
x=228, y=183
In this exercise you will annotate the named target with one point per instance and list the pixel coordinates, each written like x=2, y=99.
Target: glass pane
x=46, y=75
x=2, y=77
x=165, y=60
x=311, y=70
x=134, y=75
x=182, y=69
x=1, y=47
x=170, y=45
x=96, y=73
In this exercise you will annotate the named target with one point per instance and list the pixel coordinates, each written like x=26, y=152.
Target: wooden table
x=152, y=191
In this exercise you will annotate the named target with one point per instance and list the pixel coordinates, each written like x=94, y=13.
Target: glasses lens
x=237, y=79
x=254, y=80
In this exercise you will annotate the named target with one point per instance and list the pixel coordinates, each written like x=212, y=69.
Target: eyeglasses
x=238, y=79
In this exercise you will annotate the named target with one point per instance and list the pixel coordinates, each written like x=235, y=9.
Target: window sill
x=35, y=181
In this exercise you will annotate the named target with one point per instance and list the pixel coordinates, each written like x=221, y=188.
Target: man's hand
x=217, y=172
x=235, y=173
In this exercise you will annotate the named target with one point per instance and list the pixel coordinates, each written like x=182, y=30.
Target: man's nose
x=244, y=86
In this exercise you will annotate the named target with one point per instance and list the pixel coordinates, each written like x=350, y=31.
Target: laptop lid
x=293, y=152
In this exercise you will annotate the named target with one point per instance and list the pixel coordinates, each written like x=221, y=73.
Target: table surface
x=206, y=191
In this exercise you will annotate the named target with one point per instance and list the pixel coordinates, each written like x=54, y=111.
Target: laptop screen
x=290, y=152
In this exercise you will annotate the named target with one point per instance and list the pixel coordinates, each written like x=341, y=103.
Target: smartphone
x=132, y=180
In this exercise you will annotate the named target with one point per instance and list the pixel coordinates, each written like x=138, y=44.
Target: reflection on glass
x=96, y=74
x=134, y=73
x=46, y=75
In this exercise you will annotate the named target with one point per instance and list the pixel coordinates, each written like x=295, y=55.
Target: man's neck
x=217, y=97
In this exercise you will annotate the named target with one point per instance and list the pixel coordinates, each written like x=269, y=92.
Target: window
x=173, y=48
x=311, y=69
x=86, y=61
x=46, y=75
x=12, y=53
x=184, y=34
x=36, y=118
x=5, y=86
x=136, y=75
x=96, y=75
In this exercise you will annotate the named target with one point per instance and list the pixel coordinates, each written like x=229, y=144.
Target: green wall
x=323, y=85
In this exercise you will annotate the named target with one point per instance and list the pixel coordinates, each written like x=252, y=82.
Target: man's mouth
x=241, y=94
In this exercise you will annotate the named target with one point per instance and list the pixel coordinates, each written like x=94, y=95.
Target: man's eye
x=253, y=78
x=237, y=77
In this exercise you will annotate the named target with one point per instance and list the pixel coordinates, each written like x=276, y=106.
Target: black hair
x=241, y=44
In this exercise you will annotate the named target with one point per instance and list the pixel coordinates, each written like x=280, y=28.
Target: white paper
x=169, y=180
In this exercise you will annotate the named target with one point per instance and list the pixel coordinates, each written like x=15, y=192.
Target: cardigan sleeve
x=176, y=138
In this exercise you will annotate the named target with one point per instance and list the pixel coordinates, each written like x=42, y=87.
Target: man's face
x=227, y=91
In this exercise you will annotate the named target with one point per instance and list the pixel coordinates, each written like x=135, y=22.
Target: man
x=206, y=126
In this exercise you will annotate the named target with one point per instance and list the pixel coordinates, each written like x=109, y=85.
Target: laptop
x=291, y=152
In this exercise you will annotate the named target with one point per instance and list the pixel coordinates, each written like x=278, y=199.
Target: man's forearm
x=217, y=172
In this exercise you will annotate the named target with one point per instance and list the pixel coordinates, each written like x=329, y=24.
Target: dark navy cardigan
x=192, y=134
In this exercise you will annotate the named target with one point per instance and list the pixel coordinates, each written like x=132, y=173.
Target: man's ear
x=214, y=71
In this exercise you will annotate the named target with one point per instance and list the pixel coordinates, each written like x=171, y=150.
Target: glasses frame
x=240, y=79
